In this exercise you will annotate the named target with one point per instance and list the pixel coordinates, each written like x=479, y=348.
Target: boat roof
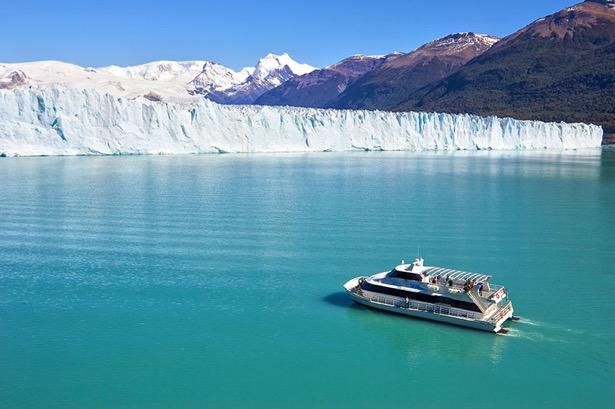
x=455, y=275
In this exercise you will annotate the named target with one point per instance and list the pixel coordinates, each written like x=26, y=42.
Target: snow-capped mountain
x=245, y=86
x=173, y=81
x=182, y=71
x=215, y=80
x=159, y=80
x=320, y=88
x=378, y=82
x=272, y=70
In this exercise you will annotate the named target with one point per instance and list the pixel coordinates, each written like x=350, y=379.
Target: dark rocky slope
x=559, y=68
x=389, y=84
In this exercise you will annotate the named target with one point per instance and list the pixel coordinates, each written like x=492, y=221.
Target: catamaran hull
x=464, y=322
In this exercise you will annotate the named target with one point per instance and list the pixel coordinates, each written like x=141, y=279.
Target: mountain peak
x=224, y=85
x=568, y=21
x=461, y=46
x=277, y=57
x=273, y=63
x=457, y=42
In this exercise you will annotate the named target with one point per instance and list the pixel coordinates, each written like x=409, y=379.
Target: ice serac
x=67, y=121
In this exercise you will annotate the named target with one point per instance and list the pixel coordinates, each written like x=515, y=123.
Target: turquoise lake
x=215, y=281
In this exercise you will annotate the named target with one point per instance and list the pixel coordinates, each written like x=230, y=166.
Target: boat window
x=405, y=275
x=434, y=299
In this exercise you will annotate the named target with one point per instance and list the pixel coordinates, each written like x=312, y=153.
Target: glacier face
x=56, y=120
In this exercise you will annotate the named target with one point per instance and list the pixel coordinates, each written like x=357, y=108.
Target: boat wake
x=552, y=328
x=527, y=321
x=513, y=333
x=539, y=331
x=521, y=334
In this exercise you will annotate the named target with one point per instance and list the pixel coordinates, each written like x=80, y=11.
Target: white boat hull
x=461, y=321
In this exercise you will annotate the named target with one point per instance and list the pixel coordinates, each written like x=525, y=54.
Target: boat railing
x=493, y=288
x=459, y=287
x=501, y=312
x=425, y=307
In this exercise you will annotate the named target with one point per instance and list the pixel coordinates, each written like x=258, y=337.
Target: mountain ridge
x=321, y=87
x=559, y=67
x=379, y=79
x=160, y=80
x=387, y=85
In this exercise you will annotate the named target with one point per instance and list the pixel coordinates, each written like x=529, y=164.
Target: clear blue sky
x=236, y=33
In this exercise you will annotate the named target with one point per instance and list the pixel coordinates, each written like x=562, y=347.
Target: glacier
x=57, y=120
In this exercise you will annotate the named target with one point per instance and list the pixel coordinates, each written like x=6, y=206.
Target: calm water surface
x=215, y=281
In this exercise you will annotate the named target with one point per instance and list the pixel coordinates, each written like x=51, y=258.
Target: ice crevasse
x=66, y=121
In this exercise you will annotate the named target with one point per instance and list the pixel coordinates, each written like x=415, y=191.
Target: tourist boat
x=435, y=293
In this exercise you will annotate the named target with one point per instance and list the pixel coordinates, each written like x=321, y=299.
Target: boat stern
x=503, y=314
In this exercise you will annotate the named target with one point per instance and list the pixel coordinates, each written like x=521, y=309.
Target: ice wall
x=66, y=121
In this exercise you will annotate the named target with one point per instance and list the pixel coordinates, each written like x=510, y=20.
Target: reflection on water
x=422, y=340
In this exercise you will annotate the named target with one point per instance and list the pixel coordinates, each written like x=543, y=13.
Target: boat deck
x=455, y=275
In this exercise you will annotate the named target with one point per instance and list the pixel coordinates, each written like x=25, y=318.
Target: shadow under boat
x=341, y=299
x=408, y=333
